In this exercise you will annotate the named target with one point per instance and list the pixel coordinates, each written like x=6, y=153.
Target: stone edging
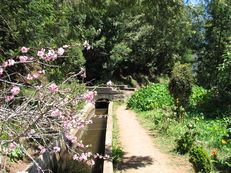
x=108, y=166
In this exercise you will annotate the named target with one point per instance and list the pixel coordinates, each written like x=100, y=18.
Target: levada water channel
x=94, y=135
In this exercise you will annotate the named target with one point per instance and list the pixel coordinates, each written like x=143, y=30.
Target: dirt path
x=141, y=156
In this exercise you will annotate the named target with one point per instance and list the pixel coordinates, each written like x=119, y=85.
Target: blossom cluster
x=49, y=56
x=90, y=96
x=47, y=114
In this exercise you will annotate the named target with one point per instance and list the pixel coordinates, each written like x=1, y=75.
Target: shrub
x=200, y=159
x=198, y=95
x=224, y=165
x=185, y=143
x=180, y=87
x=150, y=97
x=180, y=84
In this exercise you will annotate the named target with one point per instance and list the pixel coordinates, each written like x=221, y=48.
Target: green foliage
x=67, y=66
x=196, y=127
x=117, y=154
x=209, y=103
x=180, y=84
x=198, y=95
x=16, y=154
x=200, y=160
x=217, y=32
x=121, y=27
x=186, y=141
x=223, y=165
x=120, y=53
x=39, y=23
x=150, y=97
x=224, y=72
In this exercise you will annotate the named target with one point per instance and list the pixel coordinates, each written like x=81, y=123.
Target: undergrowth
x=211, y=123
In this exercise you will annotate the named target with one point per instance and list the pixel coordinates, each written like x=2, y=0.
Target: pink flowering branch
x=46, y=115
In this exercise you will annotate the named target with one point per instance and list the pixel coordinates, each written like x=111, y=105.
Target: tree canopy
x=126, y=37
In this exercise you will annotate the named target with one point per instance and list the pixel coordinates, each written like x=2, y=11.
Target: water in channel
x=95, y=136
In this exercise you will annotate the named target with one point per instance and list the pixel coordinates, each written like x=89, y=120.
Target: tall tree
x=217, y=32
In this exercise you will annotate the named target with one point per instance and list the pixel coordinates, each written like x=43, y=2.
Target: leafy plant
x=180, y=84
x=224, y=72
x=16, y=154
x=185, y=143
x=224, y=165
x=198, y=95
x=117, y=154
x=150, y=97
x=200, y=160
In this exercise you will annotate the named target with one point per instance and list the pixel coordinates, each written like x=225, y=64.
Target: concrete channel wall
x=108, y=166
x=49, y=161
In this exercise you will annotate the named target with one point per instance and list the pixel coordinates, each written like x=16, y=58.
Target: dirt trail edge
x=141, y=156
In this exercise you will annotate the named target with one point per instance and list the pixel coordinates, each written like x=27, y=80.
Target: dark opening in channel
x=101, y=107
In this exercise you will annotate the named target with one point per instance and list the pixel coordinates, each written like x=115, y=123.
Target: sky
x=192, y=1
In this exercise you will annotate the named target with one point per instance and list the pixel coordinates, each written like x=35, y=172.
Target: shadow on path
x=135, y=162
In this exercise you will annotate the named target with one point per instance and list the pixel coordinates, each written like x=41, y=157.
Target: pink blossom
x=51, y=55
x=9, y=98
x=46, y=58
x=90, y=96
x=36, y=75
x=29, y=77
x=66, y=124
x=41, y=71
x=23, y=58
x=53, y=88
x=5, y=64
x=11, y=62
x=12, y=146
x=41, y=52
x=66, y=46
x=15, y=90
x=56, y=149
x=56, y=113
x=106, y=157
x=80, y=144
x=42, y=149
x=24, y=49
x=80, y=125
x=75, y=157
x=1, y=71
x=89, y=122
x=91, y=162
x=83, y=157
x=71, y=138
x=60, y=51
x=89, y=154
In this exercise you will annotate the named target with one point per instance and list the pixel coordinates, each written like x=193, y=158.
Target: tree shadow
x=135, y=162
